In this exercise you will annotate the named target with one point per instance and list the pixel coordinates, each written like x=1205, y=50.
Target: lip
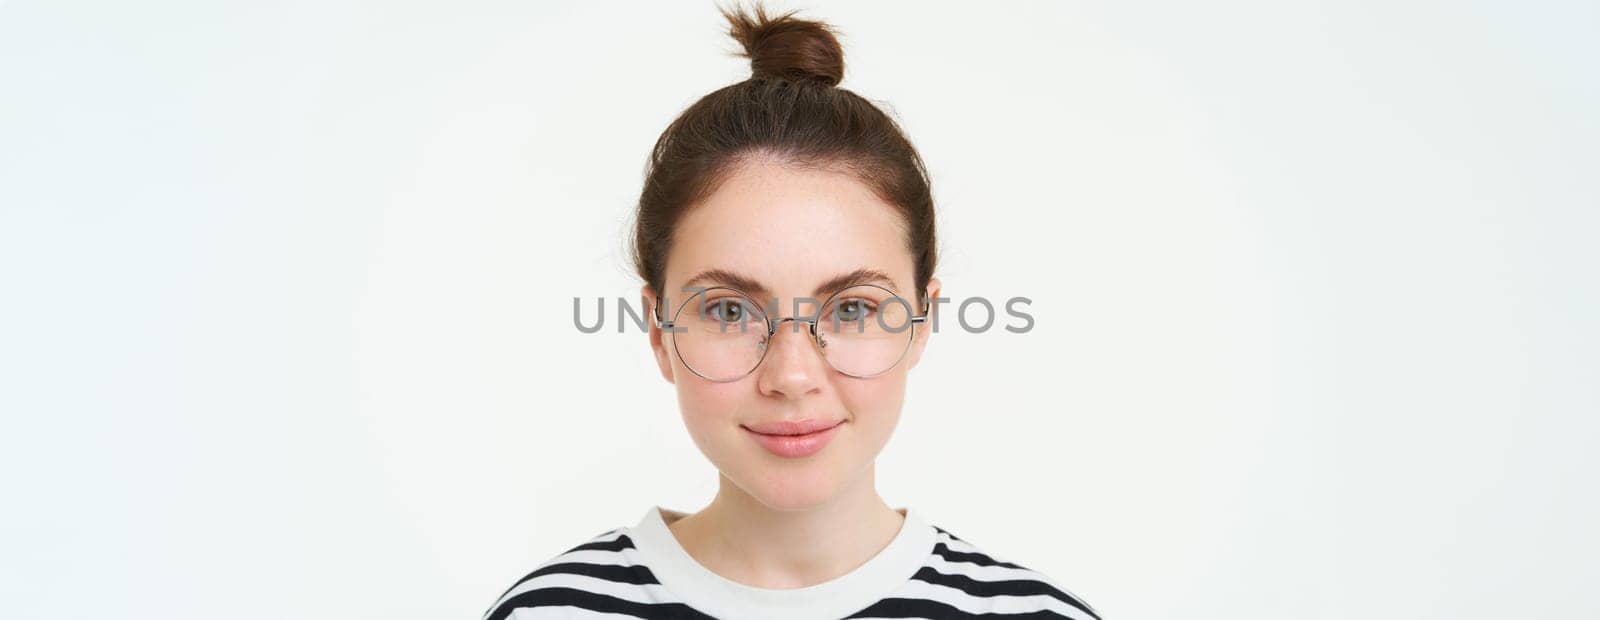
x=794, y=439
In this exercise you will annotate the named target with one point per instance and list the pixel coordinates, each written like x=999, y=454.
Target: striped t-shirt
x=642, y=572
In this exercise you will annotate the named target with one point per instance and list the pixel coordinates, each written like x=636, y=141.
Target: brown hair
x=790, y=109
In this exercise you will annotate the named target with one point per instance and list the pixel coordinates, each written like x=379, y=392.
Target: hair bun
x=785, y=47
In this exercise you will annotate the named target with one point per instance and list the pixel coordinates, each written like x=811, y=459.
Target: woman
x=785, y=236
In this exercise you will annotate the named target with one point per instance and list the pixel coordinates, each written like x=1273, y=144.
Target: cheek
x=875, y=404
x=710, y=410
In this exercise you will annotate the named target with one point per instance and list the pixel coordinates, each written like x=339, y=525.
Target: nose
x=793, y=367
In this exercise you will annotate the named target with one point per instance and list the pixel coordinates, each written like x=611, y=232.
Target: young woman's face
x=789, y=230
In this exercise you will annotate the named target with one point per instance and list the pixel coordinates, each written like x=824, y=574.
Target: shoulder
x=961, y=575
x=602, y=575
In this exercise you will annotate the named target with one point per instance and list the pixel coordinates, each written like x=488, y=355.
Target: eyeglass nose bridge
x=772, y=329
x=811, y=324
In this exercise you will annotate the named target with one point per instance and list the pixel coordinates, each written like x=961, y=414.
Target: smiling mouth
x=792, y=428
x=794, y=439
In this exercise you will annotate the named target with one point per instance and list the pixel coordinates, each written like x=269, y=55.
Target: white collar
x=721, y=597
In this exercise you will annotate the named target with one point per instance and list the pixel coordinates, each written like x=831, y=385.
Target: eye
x=853, y=310
x=726, y=310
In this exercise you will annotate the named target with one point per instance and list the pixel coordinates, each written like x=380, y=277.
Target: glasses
x=722, y=335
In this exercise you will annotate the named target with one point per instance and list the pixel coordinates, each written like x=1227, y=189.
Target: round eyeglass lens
x=720, y=334
x=865, y=330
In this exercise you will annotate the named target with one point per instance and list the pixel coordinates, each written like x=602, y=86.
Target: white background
x=287, y=291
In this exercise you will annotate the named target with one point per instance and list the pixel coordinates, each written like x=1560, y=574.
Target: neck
x=740, y=538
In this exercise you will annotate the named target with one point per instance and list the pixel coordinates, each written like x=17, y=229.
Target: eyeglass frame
x=772, y=330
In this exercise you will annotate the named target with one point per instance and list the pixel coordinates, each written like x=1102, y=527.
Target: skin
x=779, y=522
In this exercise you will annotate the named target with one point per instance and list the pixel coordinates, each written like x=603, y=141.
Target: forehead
x=791, y=229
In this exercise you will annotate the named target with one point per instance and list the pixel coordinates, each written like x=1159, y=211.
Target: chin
x=791, y=500
x=791, y=487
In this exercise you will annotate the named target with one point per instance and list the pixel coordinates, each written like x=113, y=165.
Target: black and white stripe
x=603, y=578
x=596, y=579
x=960, y=581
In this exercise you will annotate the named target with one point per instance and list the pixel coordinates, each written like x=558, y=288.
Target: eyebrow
x=749, y=285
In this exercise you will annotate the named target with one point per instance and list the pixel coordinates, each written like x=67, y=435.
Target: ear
x=657, y=343
x=926, y=328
